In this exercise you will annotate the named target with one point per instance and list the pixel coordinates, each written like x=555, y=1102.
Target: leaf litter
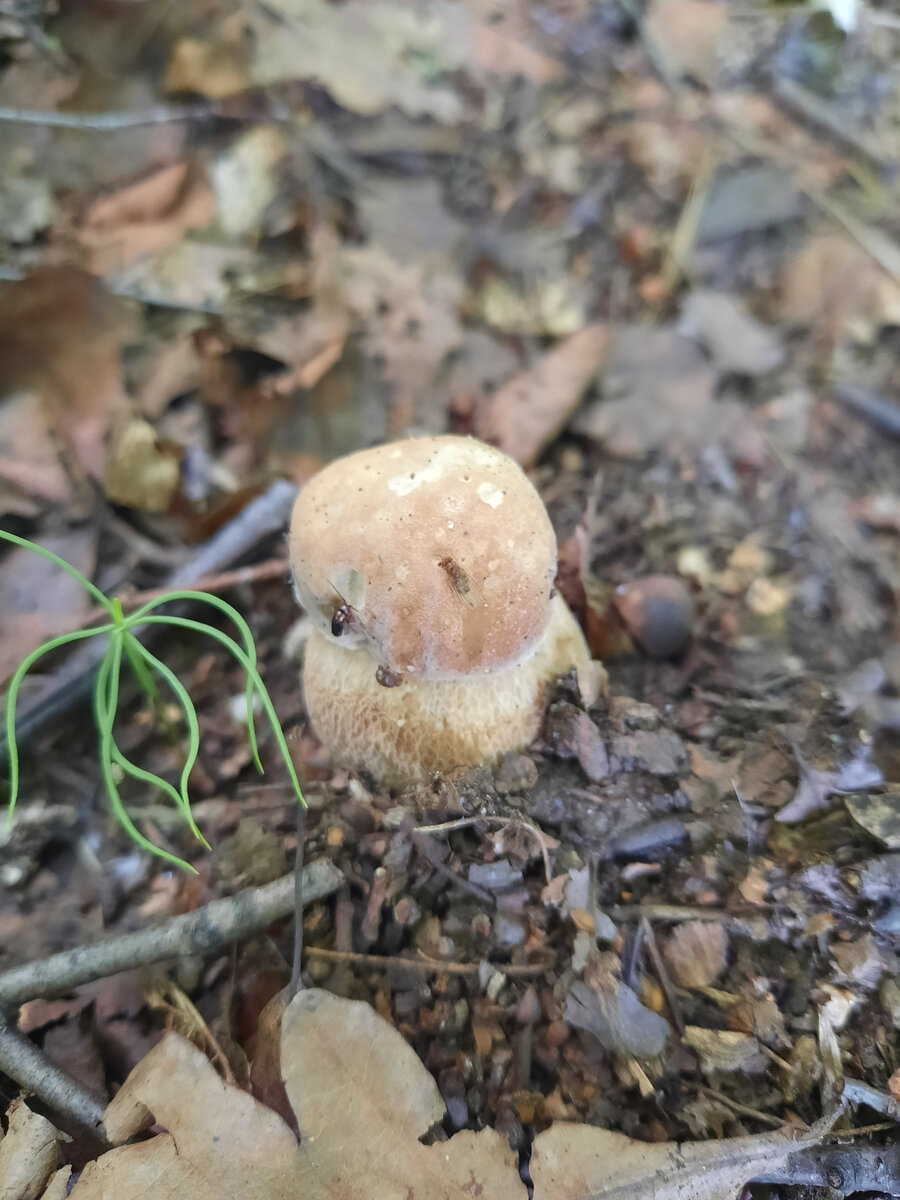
x=618, y=244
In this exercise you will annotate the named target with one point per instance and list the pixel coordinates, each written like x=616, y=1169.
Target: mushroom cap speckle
x=439, y=549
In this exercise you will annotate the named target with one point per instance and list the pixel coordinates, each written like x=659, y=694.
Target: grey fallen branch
x=202, y=932
x=21, y=1060
x=71, y=685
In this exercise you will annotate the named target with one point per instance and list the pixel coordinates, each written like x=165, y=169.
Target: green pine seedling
x=124, y=647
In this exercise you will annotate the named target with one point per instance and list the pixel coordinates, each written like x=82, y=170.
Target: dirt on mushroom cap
x=441, y=548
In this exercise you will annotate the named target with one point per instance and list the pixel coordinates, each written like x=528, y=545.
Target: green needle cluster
x=124, y=648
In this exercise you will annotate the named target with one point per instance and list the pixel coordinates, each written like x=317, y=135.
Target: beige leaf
x=362, y=1098
x=686, y=34
x=695, y=953
x=220, y=1143
x=577, y=1162
x=28, y=1153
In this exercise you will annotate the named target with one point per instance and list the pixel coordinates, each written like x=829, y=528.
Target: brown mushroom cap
x=441, y=549
x=403, y=734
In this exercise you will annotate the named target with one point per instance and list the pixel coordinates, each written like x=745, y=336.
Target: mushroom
x=427, y=567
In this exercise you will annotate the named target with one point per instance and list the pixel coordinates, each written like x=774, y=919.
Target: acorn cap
x=440, y=550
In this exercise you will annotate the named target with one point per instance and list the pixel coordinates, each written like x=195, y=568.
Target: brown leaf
x=60, y=336
x=146, y=217
x=31, y=473
x=658, y=395
x=219, y=1142
x=37, y=599
x=527, y=412
x=28, y=1153
x=835, y=286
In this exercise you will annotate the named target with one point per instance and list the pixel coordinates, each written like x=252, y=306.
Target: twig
x=663, y=976
x=157, y=114
x=743, y=1109
x=224, y=581
x=386, y=961
x=298, y=904
x=523, y=822
x=72, y=684
x=21, y=1060
x=202, y=932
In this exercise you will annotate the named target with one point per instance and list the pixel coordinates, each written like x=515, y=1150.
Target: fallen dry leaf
x=695, y=953
x=686, y=33
x=60, y=337
x=835, y=286
x=362, y=1099
x=658, y=395
x=576, y=1162
x=146, y=217
x=31, y=472
x=526, y=413
x=28, y=1153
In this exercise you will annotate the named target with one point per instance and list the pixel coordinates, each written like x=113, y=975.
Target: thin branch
x=743, y=1109
x=272, y=568
x=202, y=932
x=24, y=1063
x=385, y=962
x=157, y=114
x=663, y=976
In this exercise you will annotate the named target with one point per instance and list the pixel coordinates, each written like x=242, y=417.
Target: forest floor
x=651, y=252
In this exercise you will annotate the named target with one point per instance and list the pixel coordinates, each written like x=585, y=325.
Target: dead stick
x=385, y=961
x=663, y=976
x=202, y=932
x=21, y=1060
x=272, y=568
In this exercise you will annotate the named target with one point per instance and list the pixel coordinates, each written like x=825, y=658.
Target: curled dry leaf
x=362, y=1100
x=146, y=217
x=528, y=412
x=28, y=1153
